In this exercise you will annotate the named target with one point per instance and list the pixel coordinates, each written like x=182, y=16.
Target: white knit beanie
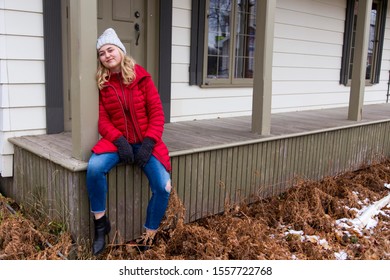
x=109, y=37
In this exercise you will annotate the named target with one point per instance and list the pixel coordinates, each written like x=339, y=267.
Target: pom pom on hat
x=109, y=37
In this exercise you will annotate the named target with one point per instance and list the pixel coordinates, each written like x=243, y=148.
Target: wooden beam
x=83, y=61
x=358, y=83
x=262, y=85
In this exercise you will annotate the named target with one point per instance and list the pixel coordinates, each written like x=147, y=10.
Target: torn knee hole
x=168, y=187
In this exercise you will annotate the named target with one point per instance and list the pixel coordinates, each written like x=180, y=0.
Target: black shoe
x=102, y=228
x=143, y=243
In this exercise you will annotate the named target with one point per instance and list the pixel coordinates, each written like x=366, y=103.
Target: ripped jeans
x=159, y=180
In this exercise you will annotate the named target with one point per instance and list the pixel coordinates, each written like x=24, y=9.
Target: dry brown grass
x=261, y=230
x=21, y=239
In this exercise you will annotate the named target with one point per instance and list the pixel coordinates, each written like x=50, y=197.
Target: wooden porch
x=212, y=160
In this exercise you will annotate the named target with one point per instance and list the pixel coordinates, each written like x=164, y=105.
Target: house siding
x=306, y=64
x=22, y=89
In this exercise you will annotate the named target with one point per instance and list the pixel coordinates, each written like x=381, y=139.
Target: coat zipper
x=130, y=108
x=123, y=109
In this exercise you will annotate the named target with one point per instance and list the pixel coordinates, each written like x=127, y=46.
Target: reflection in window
x=219, y=39
x=245, y=39
x=231, y=39
x=372, y=42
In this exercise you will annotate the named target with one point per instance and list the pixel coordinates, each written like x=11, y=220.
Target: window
x=228, y=42
x=375, y=45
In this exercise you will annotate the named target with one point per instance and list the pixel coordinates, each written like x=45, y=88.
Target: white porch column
x=83, y=63
x=356, y=96
x=262, y=81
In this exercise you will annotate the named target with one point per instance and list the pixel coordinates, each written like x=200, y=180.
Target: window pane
x=371, y=43
x=245, y=38
x=353, y=40
x=372, y=39
x=219, y=35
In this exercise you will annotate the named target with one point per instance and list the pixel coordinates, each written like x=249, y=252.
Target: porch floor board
x=184, y=137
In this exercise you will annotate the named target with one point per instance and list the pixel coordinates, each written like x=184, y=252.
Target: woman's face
x=110, y=57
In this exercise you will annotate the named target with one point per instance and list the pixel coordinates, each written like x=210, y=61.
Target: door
x=126, y=17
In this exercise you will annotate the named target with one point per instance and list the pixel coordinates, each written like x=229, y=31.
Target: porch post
x=262, y=80
x=356, y=96
x=84, y=94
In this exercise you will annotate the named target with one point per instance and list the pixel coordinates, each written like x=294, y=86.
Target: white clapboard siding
x=14, y=47
x=328, y=8
x=305, y=74
x=27, y=118
x=297, y=87
x=308, y=61
x=22, y=119
x=22, y=23
x=181, y=36
x=25, y=72
x=299, y=18
x=6, y=148
x=305, y=100
x=6, y=165
x=181, y=17
x=181, y=55
x=5, y=119
x=386, y=54
x=23, y=95
x=22, y=5
x=22, y=77
x=180, y=73
x=201, y=106
x=285, y=45
x=185, y=91
x=182, y=4
x=306, y=33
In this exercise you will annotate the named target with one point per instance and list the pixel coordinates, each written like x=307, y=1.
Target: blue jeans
x=100, y=164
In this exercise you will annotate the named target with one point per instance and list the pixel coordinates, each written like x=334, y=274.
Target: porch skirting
x=204, y=178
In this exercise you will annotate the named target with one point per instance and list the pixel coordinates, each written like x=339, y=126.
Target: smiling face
x=110, y=57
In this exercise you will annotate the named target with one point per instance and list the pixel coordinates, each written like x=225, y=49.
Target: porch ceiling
x=194, y=136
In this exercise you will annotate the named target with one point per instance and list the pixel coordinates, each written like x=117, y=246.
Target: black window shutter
x=348, y=30
x=165, y=57
x=197, y=41
x=53, y=66
x=382, y=25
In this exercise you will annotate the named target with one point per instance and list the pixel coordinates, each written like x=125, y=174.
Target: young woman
x=131, y=123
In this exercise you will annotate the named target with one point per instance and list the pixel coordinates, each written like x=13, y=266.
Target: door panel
x=124, y=16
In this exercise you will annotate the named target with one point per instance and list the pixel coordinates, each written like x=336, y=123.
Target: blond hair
x=127, y=69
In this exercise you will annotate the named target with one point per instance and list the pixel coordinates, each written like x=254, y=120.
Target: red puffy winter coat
x=133, y=111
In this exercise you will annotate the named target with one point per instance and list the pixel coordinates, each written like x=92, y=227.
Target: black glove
x=144, y=153
x=125, y=150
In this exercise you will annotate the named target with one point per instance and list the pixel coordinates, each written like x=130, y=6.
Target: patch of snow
x=291, y=231
x=342, y=255
x=371, y=223
x=367, y=219
x=311, y=238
